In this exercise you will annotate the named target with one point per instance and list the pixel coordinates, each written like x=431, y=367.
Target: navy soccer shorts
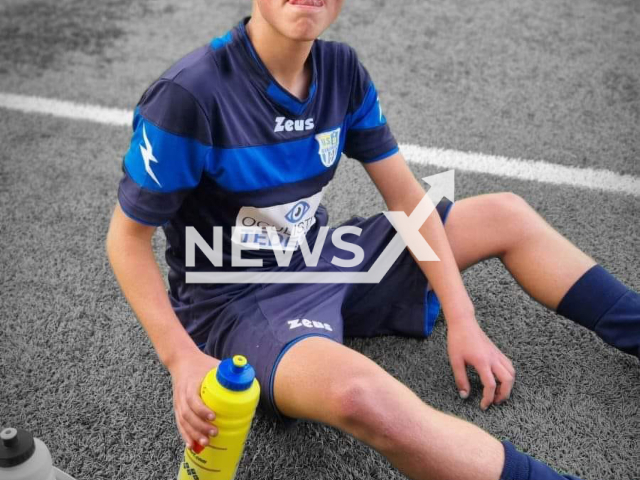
x=264, y=321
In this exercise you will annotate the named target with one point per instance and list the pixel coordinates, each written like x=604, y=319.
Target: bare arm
x=402, y=192
x=131, y=256
x=135, y=267
x=467, y=343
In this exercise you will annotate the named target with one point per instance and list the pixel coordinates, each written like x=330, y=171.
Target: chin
x=303, y=37
x=304, y=31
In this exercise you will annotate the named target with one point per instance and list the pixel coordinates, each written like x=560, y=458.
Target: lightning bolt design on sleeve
x=147, y=156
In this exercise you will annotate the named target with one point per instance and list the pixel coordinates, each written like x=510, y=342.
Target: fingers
x=199, y=408
x=505, y=379
x=201, y=429
x=190, y=434
x=460, y=374
x=509, y=366
x=192, y=420
x=489, y=383
x=183, y=434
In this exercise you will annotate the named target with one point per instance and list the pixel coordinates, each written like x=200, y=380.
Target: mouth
x=307, y=4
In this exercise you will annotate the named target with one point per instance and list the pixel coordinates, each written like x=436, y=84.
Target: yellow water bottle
x=232, y=392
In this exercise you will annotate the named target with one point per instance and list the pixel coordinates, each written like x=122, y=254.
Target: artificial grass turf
x=79, y=371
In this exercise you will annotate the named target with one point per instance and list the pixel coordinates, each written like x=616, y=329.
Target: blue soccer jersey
x=218, y=142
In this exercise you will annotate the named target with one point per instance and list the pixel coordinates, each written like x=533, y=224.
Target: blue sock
x=600, y=302
x=518, y=466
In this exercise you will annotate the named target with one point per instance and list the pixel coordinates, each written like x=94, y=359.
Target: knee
x=510, y=205
x=517, y=219
x=352, y=399
x=362, y=409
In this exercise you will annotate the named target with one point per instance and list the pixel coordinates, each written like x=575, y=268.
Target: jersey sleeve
x=170, y=146
x=369, y=137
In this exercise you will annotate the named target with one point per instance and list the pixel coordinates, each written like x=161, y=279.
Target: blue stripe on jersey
x=268, y=197
x=287, y=101
x=220, y=42
x=382, y=156
x=369, y=114
x=161, y=161
x=255, y=168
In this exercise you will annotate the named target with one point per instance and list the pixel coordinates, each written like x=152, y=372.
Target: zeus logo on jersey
x=308, y=324
x=284, y=124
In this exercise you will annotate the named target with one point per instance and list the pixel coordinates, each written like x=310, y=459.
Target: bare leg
x=503, y=225
x=321, y=380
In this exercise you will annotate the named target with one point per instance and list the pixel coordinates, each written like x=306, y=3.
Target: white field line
x=530, y=170
x=60, y=108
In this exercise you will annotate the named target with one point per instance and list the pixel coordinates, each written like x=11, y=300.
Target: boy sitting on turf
x=247, y=132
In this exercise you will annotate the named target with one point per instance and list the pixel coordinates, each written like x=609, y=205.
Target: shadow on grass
x=34, y=35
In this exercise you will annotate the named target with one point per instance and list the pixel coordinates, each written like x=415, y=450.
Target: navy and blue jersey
x=217, y=142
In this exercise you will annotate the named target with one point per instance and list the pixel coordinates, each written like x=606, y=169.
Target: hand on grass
x=192, y=415
x=468, y=345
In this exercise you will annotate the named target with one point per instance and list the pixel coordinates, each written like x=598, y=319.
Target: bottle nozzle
x=235, y=373
x=9, y=437
x=239, y=361
x=16, y=447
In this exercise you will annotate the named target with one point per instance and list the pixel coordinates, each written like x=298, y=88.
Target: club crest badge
x=328, y=143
